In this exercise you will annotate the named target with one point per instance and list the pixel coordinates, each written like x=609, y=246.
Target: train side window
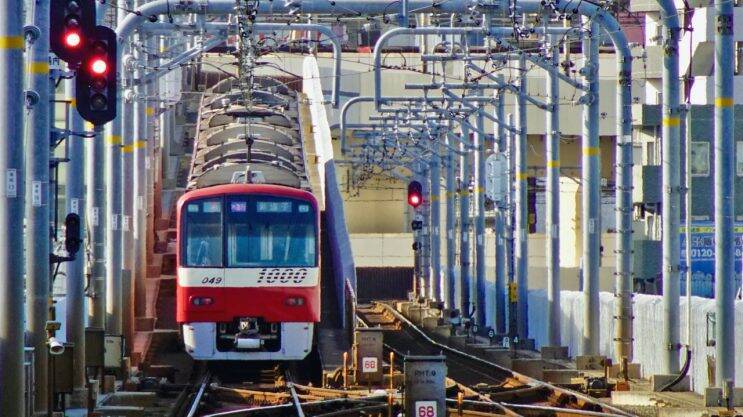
x=203, y=233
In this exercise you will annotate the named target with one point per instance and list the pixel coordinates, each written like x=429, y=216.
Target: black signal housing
x=96, y=90
x=71, y=25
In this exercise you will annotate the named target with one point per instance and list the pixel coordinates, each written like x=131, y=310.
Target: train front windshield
x=249, y=231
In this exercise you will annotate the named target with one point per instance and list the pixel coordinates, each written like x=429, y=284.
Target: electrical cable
x=682, y=375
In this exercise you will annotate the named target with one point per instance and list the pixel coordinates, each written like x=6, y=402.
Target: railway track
x=224, y=389
x=210, y=397
x=403, y=340
x=198, y=396
x=497, y=389
x=475, y=384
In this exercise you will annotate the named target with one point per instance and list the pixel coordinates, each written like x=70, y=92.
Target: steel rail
x=197, y=397
x=295, y=400
x=282, y=408
x=558, y=410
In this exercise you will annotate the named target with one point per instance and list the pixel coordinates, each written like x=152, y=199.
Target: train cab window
x=203, y=233
x=270, y=231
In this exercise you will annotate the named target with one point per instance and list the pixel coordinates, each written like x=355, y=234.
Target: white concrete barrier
x=648, y=327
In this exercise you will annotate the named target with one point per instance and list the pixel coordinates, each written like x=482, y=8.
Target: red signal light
x=72, y=39
x=414, y=200
x=98, y=66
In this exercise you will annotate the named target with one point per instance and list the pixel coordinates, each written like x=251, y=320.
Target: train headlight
x=294, y=301
x=202, y=301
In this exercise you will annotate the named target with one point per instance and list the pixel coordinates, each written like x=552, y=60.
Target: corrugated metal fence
x=384, y=283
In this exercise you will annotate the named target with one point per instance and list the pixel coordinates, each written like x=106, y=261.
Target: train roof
x=263, y=135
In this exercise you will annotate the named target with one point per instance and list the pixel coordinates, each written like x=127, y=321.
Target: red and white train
x=248, y=232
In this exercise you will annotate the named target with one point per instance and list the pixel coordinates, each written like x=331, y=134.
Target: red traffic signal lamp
x=415, y=194
x=73, y=39
x=98, y=66
x=71, y=23
x=95, y=88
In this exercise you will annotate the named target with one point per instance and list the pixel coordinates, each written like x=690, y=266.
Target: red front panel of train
x=227, y=303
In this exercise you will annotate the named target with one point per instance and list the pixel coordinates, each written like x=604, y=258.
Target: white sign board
x=36, y=193
x=113, y=353
x=369, y=365
x=425, y=409
x=170, y=85
x=496, y=178
x=11, y=183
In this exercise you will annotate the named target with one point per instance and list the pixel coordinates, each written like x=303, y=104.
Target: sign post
x=368, y=355
x=425, y=393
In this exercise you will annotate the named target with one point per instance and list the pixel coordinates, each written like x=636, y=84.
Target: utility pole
x=151, y=101
x=95, y=175
x=465, y=270
x=113, y=230
x=451, y=222
x=139, y=195
x=510, y=227
x=128, y=139
x=75, y=203
x=591, y=184
x=435, y=210
x=114, y=297
x=724, y=194
x=623, y=315
x=671, y=205
x=11, y=209
x=96, y=222
x=38, y=236
x=499, y=147
x=552, y=193
x=479, y=169
x=425, y=233
x=521, y=209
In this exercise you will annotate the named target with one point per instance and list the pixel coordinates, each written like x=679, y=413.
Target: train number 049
x=211, y=280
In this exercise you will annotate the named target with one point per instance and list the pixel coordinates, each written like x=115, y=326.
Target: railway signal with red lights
x=96, y=78
x=71, y=24
x=415, y=194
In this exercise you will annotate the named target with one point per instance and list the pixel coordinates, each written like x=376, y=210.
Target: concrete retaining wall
x=648, y=327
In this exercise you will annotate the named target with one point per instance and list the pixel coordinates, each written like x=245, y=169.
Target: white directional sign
x=496, y=178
